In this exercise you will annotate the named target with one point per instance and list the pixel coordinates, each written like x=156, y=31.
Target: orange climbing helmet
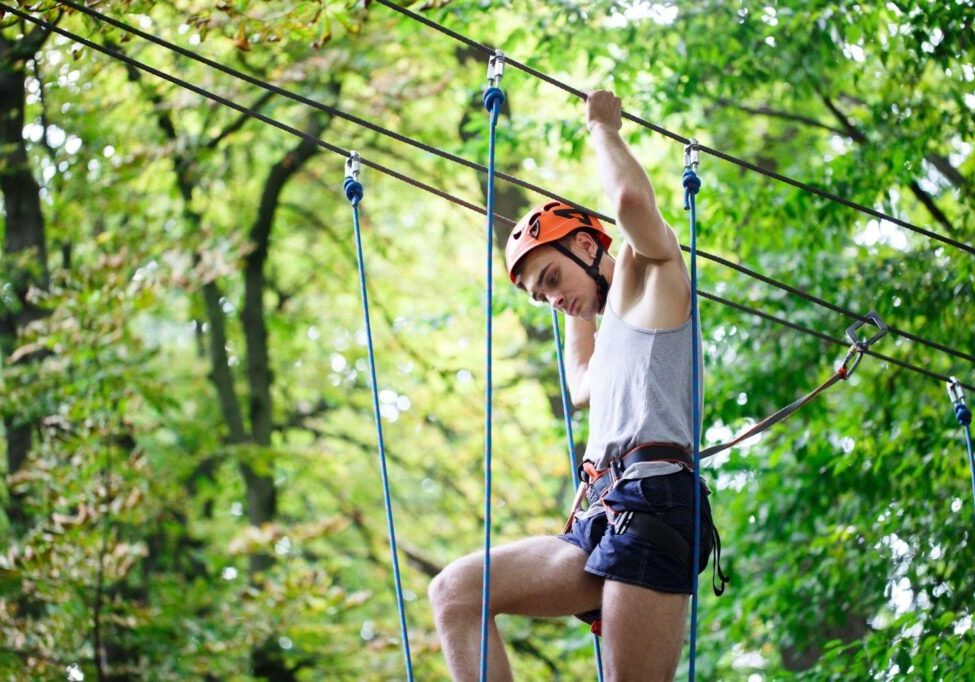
x=546, y=224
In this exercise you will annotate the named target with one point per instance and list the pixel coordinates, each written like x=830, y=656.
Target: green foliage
x=132, y=533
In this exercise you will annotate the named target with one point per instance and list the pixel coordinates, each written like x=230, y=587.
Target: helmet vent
x=534, y=226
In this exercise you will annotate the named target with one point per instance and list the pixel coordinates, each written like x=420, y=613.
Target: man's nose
x=556, y=300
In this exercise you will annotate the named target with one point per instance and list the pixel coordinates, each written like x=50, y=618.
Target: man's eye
x=553, y=280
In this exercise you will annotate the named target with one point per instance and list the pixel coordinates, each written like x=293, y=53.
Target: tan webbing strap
x=774, y=419
x=844, y=372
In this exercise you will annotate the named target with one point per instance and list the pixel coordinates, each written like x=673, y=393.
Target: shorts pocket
x=657, y=493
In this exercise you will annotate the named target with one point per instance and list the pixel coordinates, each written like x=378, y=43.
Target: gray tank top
x=640, y=391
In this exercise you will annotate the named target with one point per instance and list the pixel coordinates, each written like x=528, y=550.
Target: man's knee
x=456, y=589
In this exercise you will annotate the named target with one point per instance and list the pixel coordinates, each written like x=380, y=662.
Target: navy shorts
x=632, y=559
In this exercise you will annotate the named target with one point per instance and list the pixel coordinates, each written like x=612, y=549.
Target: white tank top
x=640, y=388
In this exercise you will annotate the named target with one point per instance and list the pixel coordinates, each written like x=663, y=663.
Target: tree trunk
x=261, y=493
x=24, y=242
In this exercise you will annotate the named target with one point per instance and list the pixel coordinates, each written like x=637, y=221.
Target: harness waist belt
x=599, y=482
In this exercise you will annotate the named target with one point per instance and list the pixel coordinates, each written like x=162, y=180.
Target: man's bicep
x=646, y=230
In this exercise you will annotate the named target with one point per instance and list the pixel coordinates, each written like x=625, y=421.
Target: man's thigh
x=643, y=631
x=539, y=576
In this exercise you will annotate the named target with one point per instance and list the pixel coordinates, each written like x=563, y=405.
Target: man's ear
x=586, y=243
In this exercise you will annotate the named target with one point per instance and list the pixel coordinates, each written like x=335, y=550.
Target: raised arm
x=626, y=183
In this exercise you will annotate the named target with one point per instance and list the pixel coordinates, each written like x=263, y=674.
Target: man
x=625, y=563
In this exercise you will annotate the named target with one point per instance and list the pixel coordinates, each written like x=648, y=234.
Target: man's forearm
x=619, y=171
x=580, y=341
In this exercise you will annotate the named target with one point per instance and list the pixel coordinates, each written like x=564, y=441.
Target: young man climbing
x=624, y=564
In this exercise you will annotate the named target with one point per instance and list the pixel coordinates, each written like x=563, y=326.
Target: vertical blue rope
x=964, y=417
x=493, y=99
x=971, y=457
x=570, y=442
x=354, y=192
x=691, y=186
x=566, y=408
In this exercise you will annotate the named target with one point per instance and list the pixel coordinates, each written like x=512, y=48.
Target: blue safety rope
x=353, y=192
x=570, y=442
x=493, y=99
x=971, y=457
x=964, y=417
x=691, y=186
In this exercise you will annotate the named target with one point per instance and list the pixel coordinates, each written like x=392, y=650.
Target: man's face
x=550, y=277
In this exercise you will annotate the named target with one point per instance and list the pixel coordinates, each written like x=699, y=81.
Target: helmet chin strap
x=602, y=286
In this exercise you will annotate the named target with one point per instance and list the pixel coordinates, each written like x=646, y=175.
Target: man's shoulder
x=653, y=293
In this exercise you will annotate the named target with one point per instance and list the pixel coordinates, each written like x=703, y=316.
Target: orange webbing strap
x=576, y=503
x=592, y=474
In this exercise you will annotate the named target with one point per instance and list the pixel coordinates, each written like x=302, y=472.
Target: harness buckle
x=622, y=522
x=616, y=469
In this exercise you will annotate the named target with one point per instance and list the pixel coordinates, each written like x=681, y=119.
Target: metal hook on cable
x=861, y=345
x=495, y=69
x=692, y=155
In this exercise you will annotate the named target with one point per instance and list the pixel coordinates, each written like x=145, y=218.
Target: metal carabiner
x=955, y=393
x=692, y=155
x=856, y=354
x=352, y=166
x=860, y=345
x=495, y=68
x=873, y=318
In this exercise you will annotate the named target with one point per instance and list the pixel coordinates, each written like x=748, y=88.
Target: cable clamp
x=495, y=69
x=692, y=155
x=353, y=165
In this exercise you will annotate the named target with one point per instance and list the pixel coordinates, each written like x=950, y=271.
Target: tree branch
x=850, y=130
x=766, y=110
x=239, y=122
x=950, y=173
x=26, y=47
x=928, y=202
x=45, y=142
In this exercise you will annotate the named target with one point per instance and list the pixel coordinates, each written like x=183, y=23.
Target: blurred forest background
x=191, y=481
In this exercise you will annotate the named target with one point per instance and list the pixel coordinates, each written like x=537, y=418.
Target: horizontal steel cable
x=684, y=140
x=385, y=170
x=826, y=337
x=482, y=169
x=301, y=99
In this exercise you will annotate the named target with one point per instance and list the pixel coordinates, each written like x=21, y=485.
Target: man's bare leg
x=539, y=576
x=643, y=632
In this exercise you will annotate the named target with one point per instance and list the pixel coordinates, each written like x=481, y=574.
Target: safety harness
x=596, y=484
